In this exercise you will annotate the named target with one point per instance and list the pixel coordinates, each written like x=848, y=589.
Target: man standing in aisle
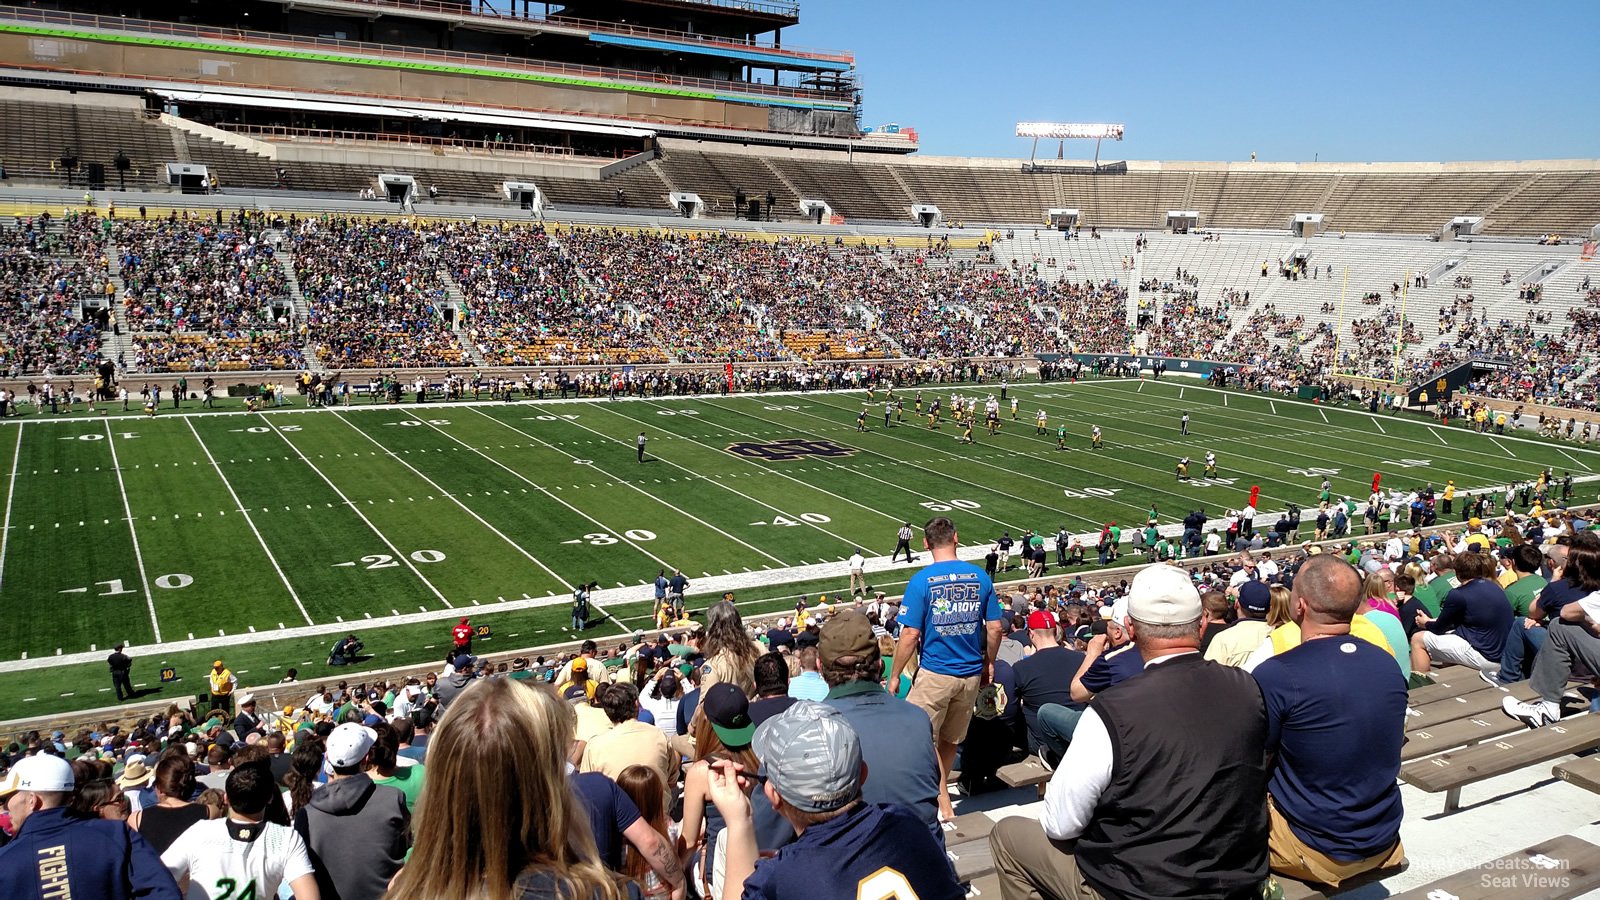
x=121, y=673
x=951, y=618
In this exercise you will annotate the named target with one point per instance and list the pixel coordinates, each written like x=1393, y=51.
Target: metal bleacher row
x=1520, y=201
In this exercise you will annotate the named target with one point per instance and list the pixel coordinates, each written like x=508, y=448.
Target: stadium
x=352, y=343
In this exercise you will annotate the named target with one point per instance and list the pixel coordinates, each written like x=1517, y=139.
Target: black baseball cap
x=728, y=709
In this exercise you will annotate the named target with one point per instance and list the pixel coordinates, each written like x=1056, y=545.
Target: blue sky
x=1350, y=81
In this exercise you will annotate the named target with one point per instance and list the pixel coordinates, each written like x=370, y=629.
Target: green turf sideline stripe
x=636, y=488
x=405, y=560
x=138, y=556
x=251, y=522
x=712, y=587
x=457, y=500
x=1055, y=511
x=873, y=510
x=11, y=490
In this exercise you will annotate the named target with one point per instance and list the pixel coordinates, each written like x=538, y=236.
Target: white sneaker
x=1534, y=715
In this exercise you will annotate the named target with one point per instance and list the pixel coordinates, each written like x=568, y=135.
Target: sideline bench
x=1584, y=773
x=1557, y=869
x=1451, y=771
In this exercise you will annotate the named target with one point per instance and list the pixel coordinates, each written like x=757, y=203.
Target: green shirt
x=1116, y=535
x=1428, y=597
x=408, y=780
x=1151, y=535
x=1522, y=591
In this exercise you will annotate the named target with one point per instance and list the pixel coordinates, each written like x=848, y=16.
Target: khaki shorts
x=948, y=702
x=1291, y=856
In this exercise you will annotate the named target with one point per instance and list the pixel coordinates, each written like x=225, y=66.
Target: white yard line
x=1274, y=405
x=1558, y=450
x=1375, y=423
x=1325, y=416
x=1507, y=449
x=405, y=560
x=138, y=555
x=464, y=508
x=5, y=528
x=636, y=488
x=251, y=522
x=1440, y=436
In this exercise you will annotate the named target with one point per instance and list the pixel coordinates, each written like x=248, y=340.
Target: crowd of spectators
x=719, y=758
x=47, y=275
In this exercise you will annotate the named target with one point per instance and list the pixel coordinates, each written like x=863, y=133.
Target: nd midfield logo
x=794, y=448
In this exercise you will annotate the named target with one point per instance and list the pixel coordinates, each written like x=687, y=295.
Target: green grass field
x=261, y=537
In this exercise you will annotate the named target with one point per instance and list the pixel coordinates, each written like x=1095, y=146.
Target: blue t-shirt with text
x=949, y=602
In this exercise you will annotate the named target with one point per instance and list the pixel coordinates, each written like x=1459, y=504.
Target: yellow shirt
x=1286, y=637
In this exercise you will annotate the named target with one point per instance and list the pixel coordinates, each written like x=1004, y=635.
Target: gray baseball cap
x=811, y=756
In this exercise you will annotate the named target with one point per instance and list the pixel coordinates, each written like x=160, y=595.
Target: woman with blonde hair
x=497, y=819
x=1279, y=612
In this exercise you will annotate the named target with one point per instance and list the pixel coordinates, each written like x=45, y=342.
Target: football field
x=264, y=537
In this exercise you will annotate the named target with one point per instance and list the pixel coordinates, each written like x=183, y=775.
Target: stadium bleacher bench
x=985, y=886
x=1028, y=773
x=1475, y=703
x=1454, y=681
x=1451, y=771
x=1554, y=870
x=1458, y=733
x=1584, y=773
x=972, y=859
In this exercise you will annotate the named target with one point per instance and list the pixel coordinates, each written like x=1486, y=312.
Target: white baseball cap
x=348, y=745
x=1163, y=595
x=38, y=773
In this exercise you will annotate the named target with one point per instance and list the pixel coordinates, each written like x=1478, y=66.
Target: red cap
x=1041, y=618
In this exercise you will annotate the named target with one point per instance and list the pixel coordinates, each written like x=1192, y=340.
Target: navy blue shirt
x=1046, y=677
x=686, y=708
x=1336, y=712
x=870, y=851
x=611, y=812
x=1479, y=613
x=1112, y=667
x=897, y=746
x=57, y=854
x=1557, y=594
